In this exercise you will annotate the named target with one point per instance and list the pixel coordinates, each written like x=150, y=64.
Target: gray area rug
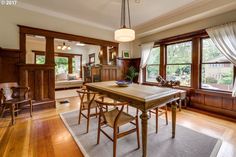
x=187, y=143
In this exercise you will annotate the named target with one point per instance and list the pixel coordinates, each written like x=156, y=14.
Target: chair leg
x=156, y=120
x=31, y=108
x=80, y=112
x=96, y=111
x=166, y=114
x=114, y=141
x=2, y=110
x=137, y=131
x=99, y=127
x=12, y=108
x=180, y=104
x=88, y=120
x=127, y=108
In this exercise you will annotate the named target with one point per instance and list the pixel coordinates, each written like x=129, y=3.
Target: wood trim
x=68, y=55
x=195, y=74
x=49, y=58
x=182, y=37
x=53, y=34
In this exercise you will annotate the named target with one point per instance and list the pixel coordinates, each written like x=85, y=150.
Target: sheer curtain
x=224, y=37
x=145, y=53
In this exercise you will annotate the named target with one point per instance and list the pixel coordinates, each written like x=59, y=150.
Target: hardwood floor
x=44, y=135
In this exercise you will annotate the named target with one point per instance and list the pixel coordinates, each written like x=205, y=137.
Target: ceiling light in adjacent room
x=80, y=44
x=63, y=47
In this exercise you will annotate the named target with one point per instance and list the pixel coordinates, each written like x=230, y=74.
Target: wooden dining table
x=142, y=97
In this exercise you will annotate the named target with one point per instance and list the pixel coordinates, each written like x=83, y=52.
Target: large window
x=153, y=65
x=76, y=64
x=217, y=71
x=61, y=65
x=179, y=60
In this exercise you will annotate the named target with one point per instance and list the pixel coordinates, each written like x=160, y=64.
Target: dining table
x=142, y=97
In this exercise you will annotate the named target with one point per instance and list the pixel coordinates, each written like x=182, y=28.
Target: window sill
x=214, y=92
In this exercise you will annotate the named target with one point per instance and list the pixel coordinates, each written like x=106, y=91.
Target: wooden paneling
x=9, y=58
x=109, y=73
x=105, y=73
x=39, y=79
x=213, y=101
x=217, y=102
x=227, y=104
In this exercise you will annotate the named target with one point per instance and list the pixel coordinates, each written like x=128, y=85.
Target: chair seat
x=17, y=101
x=124, y=118
x=85, y=105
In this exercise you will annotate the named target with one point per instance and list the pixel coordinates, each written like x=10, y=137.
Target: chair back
x=16, y=90
x=165, y=83
x=102, y=107
x=6, y=86
x=84, y=94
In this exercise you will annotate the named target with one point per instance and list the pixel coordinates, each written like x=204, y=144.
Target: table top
x=135, y=91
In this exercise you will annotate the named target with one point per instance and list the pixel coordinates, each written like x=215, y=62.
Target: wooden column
x=195, y=70
x=162, y=61
x=70, y=67
x=103, y=57
x=22, y=48
x=49, y=50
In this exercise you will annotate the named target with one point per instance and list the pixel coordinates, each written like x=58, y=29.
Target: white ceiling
x=106, y=13
x=147, y=16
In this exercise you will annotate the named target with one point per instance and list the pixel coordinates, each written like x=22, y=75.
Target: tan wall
x=202, y=24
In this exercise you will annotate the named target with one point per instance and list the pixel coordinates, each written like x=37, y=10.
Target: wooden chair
x=162, y=109
x=114, y=119
x=19, y=96
x=87, y=103
x=159, y=111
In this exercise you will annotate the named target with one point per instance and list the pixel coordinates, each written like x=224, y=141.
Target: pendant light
x=125, y=34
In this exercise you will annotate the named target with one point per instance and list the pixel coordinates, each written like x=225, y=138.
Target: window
x=179, y=60
x=76, y=64
x=61, y=65
x=217, y=71
x=40, y=59
x=153, y=65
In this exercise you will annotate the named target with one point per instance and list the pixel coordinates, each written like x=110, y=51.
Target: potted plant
x=131, y=74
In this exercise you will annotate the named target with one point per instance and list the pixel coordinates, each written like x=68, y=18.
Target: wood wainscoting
x=9, y=58
x=40, y=79
x=216, y=102
x=109, y=72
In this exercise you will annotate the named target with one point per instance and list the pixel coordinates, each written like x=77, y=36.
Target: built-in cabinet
x=99, y=73
x=124, y=63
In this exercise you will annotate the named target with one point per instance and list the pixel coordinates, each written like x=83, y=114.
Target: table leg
x=173, y=107
x=12, y=108
x=144, y=118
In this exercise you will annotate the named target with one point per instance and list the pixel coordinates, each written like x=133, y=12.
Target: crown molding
x=60, y=15
x=192, y=12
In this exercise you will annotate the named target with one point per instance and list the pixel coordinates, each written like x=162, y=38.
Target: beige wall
x=11, y=16
x=202, y=24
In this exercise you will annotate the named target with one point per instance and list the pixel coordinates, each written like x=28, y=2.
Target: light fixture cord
x=128, y=13
x=122, y=20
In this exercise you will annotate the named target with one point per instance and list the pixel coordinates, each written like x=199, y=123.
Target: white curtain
x=224, y=37
x=145, y=53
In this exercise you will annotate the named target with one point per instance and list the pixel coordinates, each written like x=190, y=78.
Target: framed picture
x=92, y=58
x=125, y=54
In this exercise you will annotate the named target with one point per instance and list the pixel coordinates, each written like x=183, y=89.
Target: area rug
x=187, y=143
